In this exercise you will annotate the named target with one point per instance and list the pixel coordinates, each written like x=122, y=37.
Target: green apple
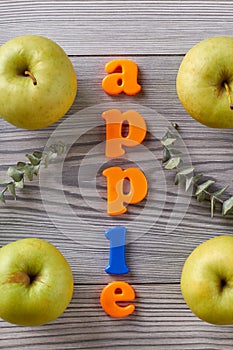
x=38, y=83
x=36, y=282
x=207, y=280
x=205, y=82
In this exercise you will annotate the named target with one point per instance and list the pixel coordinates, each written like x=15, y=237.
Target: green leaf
x=29, y=171
x=57, y=149
x=19, y=184
x=174, y=151
x=33, y=159
x=227, y=206
x=197, y=177
x=173, y=163
x=15, y=174
x=188, y=183
x=11, y=189
x=4, y=182
x=217, y=194
x=177, y=179
x=47, y=159
x=36, y=169
x=166, y=155
x=214, y=198
x=2, y=197
x=168, y=141
x=201, y=197
x=37, y=154
x=204, y=186
x=186, y=171
x=20, y=165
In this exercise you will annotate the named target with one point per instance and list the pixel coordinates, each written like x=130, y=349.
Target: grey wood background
x=156, y=35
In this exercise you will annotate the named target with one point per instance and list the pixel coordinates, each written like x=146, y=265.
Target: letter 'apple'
x=38, y=83
x=205, y=82
x=36, y=283
x=207, y=280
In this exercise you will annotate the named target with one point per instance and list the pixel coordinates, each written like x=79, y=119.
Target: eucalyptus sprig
x=22, y=170
x=172, y=159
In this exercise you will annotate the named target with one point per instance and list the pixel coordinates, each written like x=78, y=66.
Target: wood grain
x=156, y=35
x=134, y=27
x=161, y=321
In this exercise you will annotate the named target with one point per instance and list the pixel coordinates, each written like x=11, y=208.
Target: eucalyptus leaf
x=166, y=155
x=20, y=165
x=204, y=186
x=61, y=148
x=33, y=159
x=227, y=206
x=37, y=154
x=188, y=183
x=167, y=142
x=4, y=182
x=28, y=170
x=173, y=159
x=11, y=189
x=2, y=197
x=20, y=184
x=15, y=174
x=201, y=196
x=36, y=169
x=186, y=171
x=218, y=193
x=48, y=157
x=197, y=177
x=173, y=163
x=177, y=179
x=174, y=151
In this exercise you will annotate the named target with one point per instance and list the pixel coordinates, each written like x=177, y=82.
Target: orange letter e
x=114, y=292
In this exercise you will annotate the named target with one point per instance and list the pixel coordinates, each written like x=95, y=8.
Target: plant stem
x=228, y=90
x=29, y=74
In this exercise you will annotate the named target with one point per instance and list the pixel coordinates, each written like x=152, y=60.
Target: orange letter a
x=123, y=81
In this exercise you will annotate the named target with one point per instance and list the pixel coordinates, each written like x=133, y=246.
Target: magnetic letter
x=117, y=265
x=115, y=292
x=115, y=182
x=114, y=124
x=123, y=81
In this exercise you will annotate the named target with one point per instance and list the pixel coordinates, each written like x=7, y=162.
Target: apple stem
x=226, y=86
x=29, y=74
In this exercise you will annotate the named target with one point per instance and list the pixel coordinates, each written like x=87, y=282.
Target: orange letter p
x=115, y=182
x=114, y=124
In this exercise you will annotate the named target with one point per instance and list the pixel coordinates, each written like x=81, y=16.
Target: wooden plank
x=156, y=35
x=133, y=27
x=161, y=321
x=154, y=256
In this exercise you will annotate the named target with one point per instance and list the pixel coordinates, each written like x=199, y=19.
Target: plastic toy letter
x=115, y=188
x=117, y=237
x=122, y=77
x=114, y=125
x=114, y=292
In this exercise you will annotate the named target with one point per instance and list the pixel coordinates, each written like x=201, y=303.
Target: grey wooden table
x=155, y=35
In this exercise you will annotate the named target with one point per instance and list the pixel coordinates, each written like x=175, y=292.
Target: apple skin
x=207, y=280
x=48, y=294
x=200, y=82
x=30, y=106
